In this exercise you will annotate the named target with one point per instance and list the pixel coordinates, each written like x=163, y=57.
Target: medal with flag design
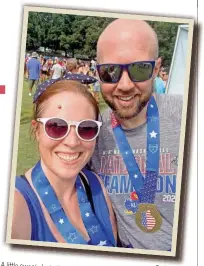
x=148, y=217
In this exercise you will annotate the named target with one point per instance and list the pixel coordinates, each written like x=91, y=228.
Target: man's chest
x=111, y=167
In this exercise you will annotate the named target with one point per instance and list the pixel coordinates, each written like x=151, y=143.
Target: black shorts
x=44, y=72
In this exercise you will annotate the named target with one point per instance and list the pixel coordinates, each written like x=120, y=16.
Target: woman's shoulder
x=20, y=230
x=22, y=185
x=20, y=202
x=23, y=192
x=28, y=218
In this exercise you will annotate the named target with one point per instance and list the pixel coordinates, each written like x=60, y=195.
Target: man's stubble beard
x=138, y=108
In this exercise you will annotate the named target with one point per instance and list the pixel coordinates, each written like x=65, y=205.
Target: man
x=159, y=85
x=33, y=68
x=72, y=65
x=56, y=70
x=96, y=87
x=137, y=150
x=93, y=65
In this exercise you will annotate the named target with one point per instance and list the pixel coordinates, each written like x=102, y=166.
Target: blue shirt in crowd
x=159, y=86
x=33, y=67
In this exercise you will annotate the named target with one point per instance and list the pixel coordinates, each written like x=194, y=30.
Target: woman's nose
x=72, y=139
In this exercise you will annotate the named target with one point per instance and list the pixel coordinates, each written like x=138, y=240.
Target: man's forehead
x=124, y=36
x=130, y=35
x=126, y=51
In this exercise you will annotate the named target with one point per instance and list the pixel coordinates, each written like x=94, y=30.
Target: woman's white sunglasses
x=57, y=128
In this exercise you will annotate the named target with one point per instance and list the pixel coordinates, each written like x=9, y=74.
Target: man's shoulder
x=34, y=61
x=164, y=100
x=170, y=106
x=59, y=66
x=29, y=61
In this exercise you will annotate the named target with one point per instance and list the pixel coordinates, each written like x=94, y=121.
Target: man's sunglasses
x=137, y=71
x=58, y=128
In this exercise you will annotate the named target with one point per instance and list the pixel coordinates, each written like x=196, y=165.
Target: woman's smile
x=68, y=157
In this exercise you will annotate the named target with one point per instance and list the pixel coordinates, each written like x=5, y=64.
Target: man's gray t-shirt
x=108, y=163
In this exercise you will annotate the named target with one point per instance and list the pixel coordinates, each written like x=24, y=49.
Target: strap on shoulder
x=100, y=204
x=88, y=191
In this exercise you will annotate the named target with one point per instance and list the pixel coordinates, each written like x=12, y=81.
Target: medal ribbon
x=60, y=219
x=144, y=186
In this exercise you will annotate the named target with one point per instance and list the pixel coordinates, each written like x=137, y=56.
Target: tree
x=76, y=34
x=94, y=27
x=166, y=33
x=33, y=35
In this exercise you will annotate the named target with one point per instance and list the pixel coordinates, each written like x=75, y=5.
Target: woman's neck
x=64, y=188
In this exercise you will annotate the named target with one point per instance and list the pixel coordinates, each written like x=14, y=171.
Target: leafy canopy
x=77, y=35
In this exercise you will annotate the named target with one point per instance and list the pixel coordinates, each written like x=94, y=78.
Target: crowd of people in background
x=40, y=68
x=37, y=69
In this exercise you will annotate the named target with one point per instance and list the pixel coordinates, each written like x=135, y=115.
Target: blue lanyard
x=60, y=219
x=144, y=186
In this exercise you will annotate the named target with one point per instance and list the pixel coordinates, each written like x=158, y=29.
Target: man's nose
x=125, y=83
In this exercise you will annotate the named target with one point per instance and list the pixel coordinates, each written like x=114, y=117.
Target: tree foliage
x=166, y=33
x=77, y=35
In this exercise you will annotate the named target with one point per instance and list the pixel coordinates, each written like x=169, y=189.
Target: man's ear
x=157, y=67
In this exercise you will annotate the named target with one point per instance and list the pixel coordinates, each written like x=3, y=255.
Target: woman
x=44, y=70
x=82, y=69
x=90, y=86
x=50, y=64
x=58, y=200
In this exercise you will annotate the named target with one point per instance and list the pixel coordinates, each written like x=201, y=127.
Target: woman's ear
x=34, y=125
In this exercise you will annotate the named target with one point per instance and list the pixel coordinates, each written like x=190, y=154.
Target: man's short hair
x=166, y=70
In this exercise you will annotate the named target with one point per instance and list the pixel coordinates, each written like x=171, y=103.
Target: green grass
x=27, y=148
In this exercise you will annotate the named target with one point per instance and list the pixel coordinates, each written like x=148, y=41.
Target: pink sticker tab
x=2, y=89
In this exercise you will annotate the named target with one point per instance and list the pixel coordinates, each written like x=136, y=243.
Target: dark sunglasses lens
x=109, y=73
x=56, y=128
x=87, y=130
x=140, y=71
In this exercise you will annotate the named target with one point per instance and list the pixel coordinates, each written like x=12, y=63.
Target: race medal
x=148, y=218
x=142, y=198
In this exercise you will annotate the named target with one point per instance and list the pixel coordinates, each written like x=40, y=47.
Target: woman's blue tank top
x=40, y=230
